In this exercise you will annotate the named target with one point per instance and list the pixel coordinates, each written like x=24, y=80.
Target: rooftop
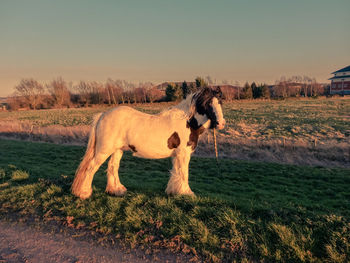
x=342, y=70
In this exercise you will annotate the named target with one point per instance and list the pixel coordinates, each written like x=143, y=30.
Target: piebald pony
x=173, y=132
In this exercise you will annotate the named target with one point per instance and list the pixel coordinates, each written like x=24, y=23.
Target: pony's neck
x=186, y=106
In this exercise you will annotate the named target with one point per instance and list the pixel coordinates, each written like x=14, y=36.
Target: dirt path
x=25, y=243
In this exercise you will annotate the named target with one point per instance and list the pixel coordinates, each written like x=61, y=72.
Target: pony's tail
x=80, y=174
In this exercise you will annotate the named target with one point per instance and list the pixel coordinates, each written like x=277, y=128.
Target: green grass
x=248, y=212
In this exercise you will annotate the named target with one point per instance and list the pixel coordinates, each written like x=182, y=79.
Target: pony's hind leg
x=114, y=187
x=83, y=180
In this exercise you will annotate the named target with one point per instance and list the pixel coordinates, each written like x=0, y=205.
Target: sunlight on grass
x=252, y=211
x=19, y=175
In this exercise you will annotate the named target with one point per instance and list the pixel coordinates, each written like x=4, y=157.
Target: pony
x=171, y=133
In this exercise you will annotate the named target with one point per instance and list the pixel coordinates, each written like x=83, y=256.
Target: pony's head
x=207, y=104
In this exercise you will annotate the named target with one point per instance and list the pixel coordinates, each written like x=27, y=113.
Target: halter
x=192, y=112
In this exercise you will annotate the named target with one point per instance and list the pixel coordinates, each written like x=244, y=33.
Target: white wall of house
x=342, y=73
x=341, y=80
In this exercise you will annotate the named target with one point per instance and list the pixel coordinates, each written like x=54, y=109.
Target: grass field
x=294, y=131
x=324, y=118
x=249, y=212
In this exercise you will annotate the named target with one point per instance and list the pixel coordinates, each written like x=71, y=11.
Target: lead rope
x=216, y=152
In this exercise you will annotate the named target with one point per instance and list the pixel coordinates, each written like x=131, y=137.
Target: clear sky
x=243, y=40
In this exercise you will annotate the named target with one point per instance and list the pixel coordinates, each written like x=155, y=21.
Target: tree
x=265, y=91
x=84, y=90
x=96, y=94
x=185, y=89
x=110, y=89
x=145, y=86
x=188, y=89
x=209, y=80
x=306, y=81
x=256, y=90
x=280, y=90
x=229, y=92
x=247, y=92
x=154, y=94
x=31, y=91
x=15, y=102
x=59, y=91
x=238, y=85
x=139, y=95
x=173, y=92
x=201, y=83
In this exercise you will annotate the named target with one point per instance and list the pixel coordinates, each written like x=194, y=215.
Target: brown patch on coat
x=194, y=136
x=133, y=148
x=174, y=141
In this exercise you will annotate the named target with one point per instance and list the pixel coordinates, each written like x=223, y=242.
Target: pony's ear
x=206, y=90
x=217, y=90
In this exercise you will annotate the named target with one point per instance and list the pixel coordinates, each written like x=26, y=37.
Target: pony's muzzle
x=221, y=124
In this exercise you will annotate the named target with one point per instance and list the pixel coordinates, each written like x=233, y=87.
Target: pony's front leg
x=178, y=182
x=114, y=187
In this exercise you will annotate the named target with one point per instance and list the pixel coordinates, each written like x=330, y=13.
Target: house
x=3, y=104
x=341, y=81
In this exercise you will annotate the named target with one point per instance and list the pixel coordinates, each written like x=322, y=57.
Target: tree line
x=58, y=93
x=295, y=86
x=30, y=93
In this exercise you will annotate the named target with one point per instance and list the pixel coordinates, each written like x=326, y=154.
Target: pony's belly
x=151, y=151
x=150, y=141
x=151, y=155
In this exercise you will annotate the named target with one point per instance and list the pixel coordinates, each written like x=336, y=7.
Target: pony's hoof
x=120, y=191
x=185, y=193
x=83, y=195
x=189, y=193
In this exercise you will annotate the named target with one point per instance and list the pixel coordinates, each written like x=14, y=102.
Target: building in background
x=341, y=81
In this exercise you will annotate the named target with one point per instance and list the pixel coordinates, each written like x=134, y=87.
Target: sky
x=163, y=40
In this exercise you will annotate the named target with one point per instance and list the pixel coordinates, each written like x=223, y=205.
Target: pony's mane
x=185, y=109
x=197, y=101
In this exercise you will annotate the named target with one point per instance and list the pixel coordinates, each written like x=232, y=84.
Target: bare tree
x=230, y=92
x=31, y=91
x=58, y=89
x=209, y=80
x=122, y=86
x=238, y=85
x=154, y=94
x=145, y=86
x=15, y=102
x=96, y=93
x=306, y=81
x=114, y=91
x=84, y=89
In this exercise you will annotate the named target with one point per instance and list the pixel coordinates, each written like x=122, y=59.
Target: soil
x=28, y=242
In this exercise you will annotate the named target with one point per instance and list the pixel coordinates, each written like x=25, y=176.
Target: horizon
x=160, y=41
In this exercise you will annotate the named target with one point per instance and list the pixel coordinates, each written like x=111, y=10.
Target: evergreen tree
x=173, y=92
x=256, y=90
x=200, y=82
x=247, y=92
x=185, y=89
